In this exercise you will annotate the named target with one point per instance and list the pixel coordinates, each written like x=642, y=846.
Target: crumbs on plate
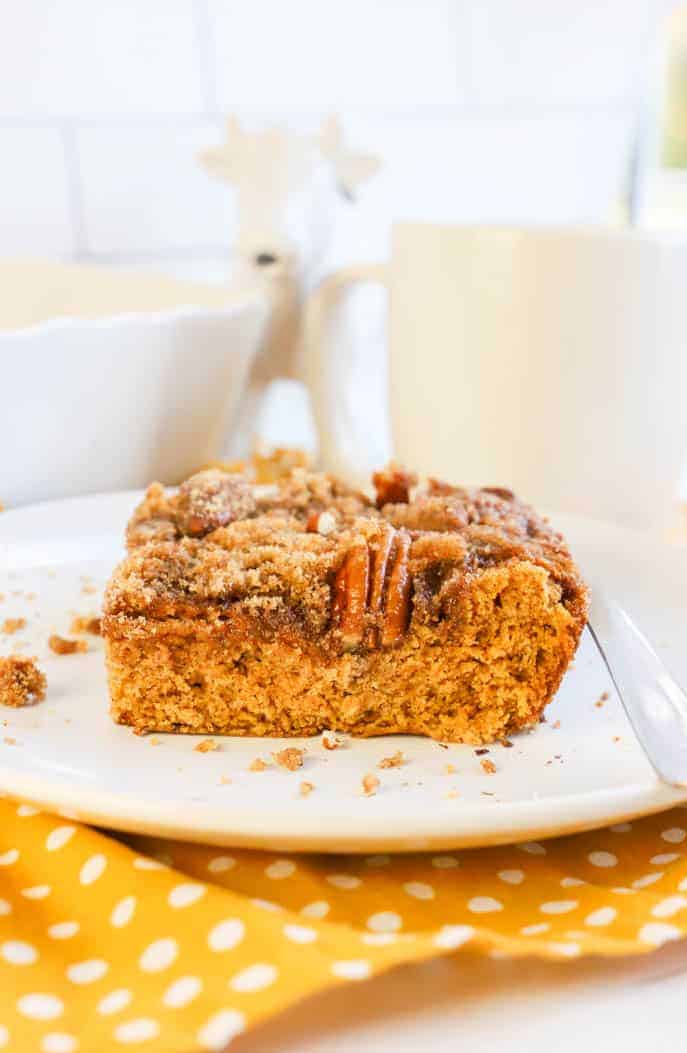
x=291, y=758
x=61, y=645
x=22, y=683
x=86, y=624
x=13, y=625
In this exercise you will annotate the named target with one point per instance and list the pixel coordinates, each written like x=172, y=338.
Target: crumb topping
x=312, y=556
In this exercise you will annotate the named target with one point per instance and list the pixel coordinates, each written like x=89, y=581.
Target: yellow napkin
x=134, y=943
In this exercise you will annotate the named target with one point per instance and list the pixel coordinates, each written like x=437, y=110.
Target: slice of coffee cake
x=435, y=610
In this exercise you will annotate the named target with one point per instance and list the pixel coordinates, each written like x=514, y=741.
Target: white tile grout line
x=461, y=111
x=206, y=56
x=74, y=189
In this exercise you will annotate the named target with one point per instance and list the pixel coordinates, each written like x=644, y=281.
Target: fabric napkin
x=110, y=942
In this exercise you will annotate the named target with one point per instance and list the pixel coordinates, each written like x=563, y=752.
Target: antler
x=351, y=168
x=221, y=161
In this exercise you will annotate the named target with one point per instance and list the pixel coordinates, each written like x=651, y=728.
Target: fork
x=654, y=702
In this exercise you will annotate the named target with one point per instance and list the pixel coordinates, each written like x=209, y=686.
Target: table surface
x=472, y=1003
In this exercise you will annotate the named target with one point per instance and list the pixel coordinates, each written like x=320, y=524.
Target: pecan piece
x=393, y=486
x=212, y=499
x=499, y=491
x=350, y=594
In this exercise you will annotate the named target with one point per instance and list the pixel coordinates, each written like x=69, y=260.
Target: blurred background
x=498, y=111
x=517, y=111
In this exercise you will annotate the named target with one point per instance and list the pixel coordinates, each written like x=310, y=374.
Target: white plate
x=67, y=755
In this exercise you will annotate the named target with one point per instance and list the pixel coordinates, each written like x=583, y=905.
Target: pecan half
x=397, y=605
x=372, y=591
x=350, y=594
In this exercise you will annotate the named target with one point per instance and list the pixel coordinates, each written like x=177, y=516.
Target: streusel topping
x=324, y=553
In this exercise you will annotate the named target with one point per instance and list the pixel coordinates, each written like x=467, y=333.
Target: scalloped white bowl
x=111, y=380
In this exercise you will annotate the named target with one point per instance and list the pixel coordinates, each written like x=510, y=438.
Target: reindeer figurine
x=287, y=188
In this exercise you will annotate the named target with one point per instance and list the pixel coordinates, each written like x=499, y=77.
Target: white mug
x=127, y=386
x=551, y=361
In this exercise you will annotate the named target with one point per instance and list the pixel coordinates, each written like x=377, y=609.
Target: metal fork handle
x=655, y=703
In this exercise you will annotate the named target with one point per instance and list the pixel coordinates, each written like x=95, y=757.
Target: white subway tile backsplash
x=34, y=194
x=548, y=52
x=560, y=168
x=144, y=191
x=88, y=58
x=305, y=52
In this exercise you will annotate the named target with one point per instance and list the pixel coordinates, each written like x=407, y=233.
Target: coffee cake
x=306, y=606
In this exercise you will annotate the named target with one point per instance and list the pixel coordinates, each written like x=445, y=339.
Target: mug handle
x=321, y=344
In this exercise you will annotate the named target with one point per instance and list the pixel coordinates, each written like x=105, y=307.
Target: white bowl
x=109, y=399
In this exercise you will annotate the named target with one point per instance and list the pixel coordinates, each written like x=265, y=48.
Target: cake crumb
x=206, y=746
x=481, y=751
x=21, y=681
x=305, y=789
x=488, y=766
x=291, y=758
x=370, y=785
x=616, y=738
x=155, y=742
x=330, y=741
x=86, y=624
x=9, y=741
x=13, y=625
x=452, y=794
x=556, y=726
x=60, y=645
x=257, y=765
x=224, y=780
x=394, y=761
x=450, y=769
x=507, y=744
x=88, y=590
x=604, y=697
x=31, y=596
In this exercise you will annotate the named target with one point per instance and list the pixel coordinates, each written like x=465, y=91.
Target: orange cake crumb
x=86, y=624
x=394, y=761
x=370, y=785
x=290, y=758
x=257, y=765
x=60, y=645
x=488, y=766
x=13, y=625
x=21, y=681
x=305, y=789
x=206, y=746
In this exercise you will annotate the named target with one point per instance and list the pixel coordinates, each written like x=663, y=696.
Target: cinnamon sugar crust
x=305, y=606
